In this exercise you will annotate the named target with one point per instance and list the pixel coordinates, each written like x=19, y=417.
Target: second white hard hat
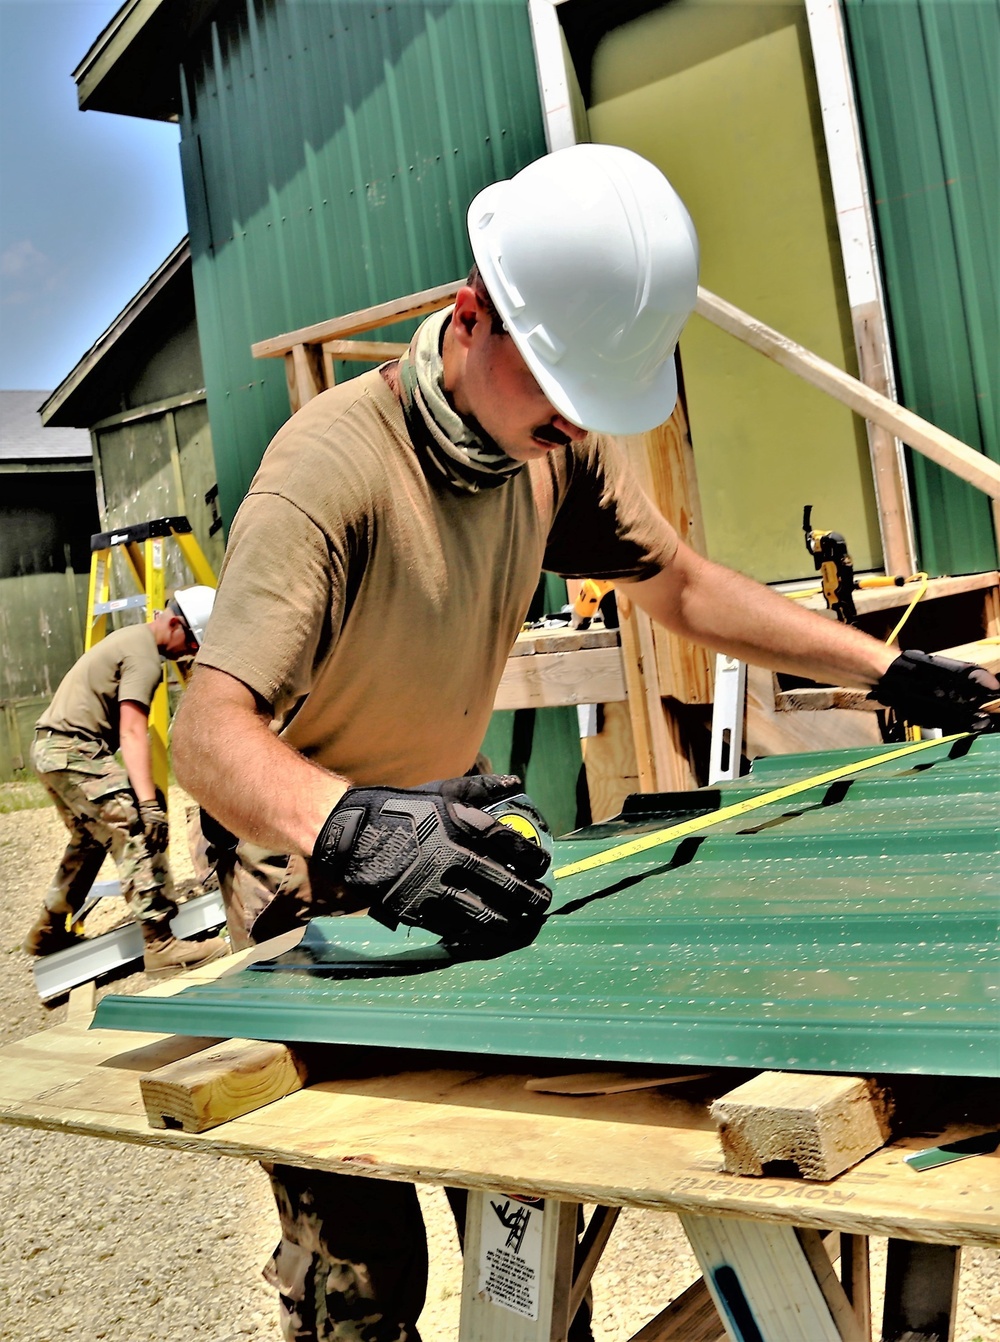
x=195, y=604
x=592, y=262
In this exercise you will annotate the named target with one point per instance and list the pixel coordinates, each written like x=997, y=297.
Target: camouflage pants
x=352, y=1262
x=95, y=802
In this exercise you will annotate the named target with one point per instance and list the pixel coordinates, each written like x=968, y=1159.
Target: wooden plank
x=198, y=1093
x=663, y=762
x=872, y=599
x=371, y=351
x=610, y=761
x=663, y=461
x=969, y=465
x=921, y=1292
x=547, y=680
x=692, y=1317
x=364, y=319
x=588, y=1254
x=771, y=733
x=564, y=640
x=815, y=1126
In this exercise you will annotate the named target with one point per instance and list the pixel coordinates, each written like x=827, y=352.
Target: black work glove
x=431, y=858
x=934, y=691
x=154, y=826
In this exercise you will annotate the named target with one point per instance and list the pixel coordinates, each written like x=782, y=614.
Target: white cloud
x=26, y=273
x=22, y=259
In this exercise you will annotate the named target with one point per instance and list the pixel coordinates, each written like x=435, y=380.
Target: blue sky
x=90, y=203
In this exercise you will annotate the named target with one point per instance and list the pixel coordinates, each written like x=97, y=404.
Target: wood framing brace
x=975, y=468
x=856, y=227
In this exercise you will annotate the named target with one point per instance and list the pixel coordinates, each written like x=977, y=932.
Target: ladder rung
x=120, y=603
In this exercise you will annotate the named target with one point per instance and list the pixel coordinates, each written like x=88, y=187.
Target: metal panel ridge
x=853, y=928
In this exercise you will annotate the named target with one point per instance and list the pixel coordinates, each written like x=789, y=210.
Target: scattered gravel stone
x=107, y=1242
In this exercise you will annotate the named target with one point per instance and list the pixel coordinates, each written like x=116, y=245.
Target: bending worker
x=421, y=502
x=101, y=705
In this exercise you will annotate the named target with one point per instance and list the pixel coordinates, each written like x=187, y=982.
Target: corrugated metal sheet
x=928, y=80
x=330, y=150
x=856, y=929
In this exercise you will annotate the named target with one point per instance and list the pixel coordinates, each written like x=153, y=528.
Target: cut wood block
x=211, y=1087
x=782, y=1123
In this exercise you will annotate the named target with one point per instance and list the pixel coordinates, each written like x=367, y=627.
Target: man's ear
x=466, y=315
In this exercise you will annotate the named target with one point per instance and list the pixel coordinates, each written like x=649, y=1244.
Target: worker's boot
x=52, y=932
x=164, y=954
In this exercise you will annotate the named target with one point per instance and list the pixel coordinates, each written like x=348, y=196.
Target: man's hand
x=431, y=858
x=934, y=691
x=154, y=826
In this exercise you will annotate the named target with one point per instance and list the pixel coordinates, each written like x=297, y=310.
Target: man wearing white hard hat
x=101, y=706
x=421, y=502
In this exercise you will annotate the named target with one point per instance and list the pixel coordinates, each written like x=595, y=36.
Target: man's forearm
x=138, y=760
x=228, y=759
x=730, y=613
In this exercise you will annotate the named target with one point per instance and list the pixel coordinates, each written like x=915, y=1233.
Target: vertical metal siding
x=928, y=76
x=330, y=150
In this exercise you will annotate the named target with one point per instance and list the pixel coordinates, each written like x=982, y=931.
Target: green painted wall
x=329, y=153
x=928, y=80
x=722, y=97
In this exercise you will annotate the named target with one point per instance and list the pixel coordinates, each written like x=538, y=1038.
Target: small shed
x=140, y=392
x=48, y=511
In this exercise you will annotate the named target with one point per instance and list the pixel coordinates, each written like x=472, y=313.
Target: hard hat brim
x=601, y=409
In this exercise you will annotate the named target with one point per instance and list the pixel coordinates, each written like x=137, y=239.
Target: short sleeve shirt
x=373, y=607
x=125, y=665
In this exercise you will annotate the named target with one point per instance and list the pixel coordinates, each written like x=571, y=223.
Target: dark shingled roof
x=24, y=438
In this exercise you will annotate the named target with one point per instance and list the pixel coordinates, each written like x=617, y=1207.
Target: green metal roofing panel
x=330, y=150
x=855, y=928
x=929, y=98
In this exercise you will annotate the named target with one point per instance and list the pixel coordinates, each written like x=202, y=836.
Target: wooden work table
x=498, y=1126
x=485, y=1130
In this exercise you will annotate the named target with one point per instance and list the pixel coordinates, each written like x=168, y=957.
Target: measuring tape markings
x=700, y=823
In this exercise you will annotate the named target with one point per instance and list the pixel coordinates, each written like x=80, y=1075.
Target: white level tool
x=57, y=973
x=703, y=822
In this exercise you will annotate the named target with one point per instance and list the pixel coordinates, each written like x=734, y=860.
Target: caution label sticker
x=511, y=1253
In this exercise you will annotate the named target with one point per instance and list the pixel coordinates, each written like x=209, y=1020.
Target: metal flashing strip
x=855, y=929
x=57, y=974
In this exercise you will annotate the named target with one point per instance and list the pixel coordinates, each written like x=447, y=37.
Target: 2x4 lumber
x=364, y=319
x=692, y=1317
x=983, y=652
x=588, y=1254
x=872, y=599
x=821, y=1125
x=855, y=1275
x=370, y=351
x=198, y=1093
x=553, y=679
x=942, y=448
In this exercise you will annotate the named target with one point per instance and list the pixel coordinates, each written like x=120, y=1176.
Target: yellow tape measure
x=702, y=822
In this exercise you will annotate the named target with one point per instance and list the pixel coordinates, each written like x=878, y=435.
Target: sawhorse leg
x=770, y=1282
x=524, y=1275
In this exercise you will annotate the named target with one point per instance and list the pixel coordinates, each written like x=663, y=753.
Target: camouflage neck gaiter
x=456, y=447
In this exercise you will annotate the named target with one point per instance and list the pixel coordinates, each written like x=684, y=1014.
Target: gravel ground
x=102, y=1240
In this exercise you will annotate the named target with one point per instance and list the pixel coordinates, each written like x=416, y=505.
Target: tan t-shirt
x=374, y=607
x=125, y=665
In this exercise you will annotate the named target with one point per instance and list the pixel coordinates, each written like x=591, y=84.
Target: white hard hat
x=195, y=604
x=592, y=262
